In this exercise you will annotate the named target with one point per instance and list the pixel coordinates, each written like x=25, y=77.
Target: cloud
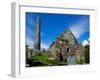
x=80, y=27
x=30, y=42
x=85, y=42
x=31, y=20
x=44, y=46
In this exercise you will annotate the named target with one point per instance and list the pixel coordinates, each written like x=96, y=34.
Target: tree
x=87, y=54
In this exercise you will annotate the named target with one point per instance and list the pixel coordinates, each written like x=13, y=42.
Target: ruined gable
x=66, y=43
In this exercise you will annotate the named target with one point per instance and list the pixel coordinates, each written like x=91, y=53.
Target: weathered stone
x=37, y=35
x=66, y=44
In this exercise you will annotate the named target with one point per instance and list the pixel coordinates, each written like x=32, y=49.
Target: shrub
x=87, y=54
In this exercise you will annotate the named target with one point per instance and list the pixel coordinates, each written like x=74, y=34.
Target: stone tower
x=37, y=35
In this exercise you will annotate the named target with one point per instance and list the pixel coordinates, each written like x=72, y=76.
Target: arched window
x=67, y=50
x=66, y=41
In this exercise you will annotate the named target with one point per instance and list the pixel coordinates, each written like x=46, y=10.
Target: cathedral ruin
x=66, y=44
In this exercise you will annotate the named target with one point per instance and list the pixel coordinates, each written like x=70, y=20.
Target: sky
x=53, y=24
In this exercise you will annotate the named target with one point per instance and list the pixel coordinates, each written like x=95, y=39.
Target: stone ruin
x=66, y=44
x=62, y=46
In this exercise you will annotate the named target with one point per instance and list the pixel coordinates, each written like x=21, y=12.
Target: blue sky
x=53, y=24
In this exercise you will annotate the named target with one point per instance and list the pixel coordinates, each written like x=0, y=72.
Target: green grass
x=81, y=62
x=40, y=58
x=62, y=63
x=44, y=60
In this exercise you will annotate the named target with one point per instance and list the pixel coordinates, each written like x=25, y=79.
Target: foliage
x=82, y=61
x=87, y=54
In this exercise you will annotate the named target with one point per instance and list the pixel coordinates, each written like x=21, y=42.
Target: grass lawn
x=40, y=59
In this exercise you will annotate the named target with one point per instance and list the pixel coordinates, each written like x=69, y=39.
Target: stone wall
x=66, y=44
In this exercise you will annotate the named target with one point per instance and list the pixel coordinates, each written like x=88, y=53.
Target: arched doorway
x=61, y=56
